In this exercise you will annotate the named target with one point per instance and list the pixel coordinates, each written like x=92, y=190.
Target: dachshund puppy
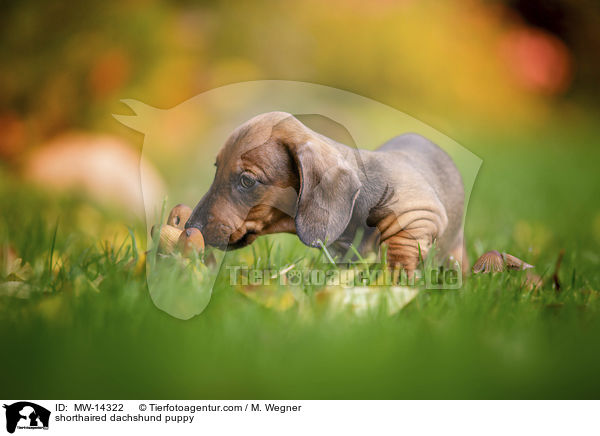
x=274, y=174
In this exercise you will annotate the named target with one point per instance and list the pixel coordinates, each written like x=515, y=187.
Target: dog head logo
x=26, y=415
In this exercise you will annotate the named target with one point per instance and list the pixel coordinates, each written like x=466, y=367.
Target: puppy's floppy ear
x=329, y=186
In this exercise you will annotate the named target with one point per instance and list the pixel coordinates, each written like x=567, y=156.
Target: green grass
x=90, y=330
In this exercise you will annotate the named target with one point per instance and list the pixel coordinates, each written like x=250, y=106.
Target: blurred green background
x=516, y=82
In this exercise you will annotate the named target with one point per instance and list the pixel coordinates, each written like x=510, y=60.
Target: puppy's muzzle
x=216, y=232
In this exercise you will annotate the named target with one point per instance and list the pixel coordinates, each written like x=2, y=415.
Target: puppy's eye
x=247, y=181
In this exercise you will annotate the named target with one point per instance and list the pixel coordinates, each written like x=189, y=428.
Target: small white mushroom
x=168, y=238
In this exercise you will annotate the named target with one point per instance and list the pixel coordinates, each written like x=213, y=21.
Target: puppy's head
x=275, y=174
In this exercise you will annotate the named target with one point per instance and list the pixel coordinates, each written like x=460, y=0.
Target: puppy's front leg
x=406, y=248
x=409, y=235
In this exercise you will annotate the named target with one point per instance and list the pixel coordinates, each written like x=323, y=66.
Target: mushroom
x=494, y=261
x=179, y=216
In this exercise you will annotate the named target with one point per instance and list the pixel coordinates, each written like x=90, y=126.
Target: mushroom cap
x=168, y=238
x=191, y=240
x=491, y=261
